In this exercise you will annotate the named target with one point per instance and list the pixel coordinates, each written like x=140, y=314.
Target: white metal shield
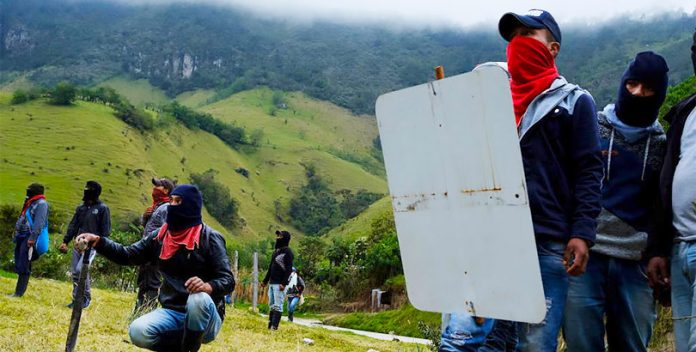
x=460, y=203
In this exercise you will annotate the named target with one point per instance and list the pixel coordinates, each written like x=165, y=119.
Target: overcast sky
x=460, y=13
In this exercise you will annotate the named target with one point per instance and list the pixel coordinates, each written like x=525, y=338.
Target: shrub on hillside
x=124, y=110
x=217, y=199
x=21, y=96
x=228, y=133
x=314, y=209
x=134, y=117
x=63, y=93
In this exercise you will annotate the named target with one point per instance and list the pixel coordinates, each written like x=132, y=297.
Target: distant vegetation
x=217, y=199
x=315, y=209
x=232, y=135
x=181, y=47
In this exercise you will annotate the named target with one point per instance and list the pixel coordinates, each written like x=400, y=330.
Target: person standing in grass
x=149, y=278
x=33, y=219
x=672, y=249
x=192, y=259
x=615, y=289
x=278, y=275
x=294, y=292
x=91, y=216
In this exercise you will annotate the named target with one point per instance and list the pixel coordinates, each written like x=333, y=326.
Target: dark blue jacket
x=561, y=154
x=93, y=218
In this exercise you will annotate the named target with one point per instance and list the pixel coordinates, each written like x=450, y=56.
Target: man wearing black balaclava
x=633, y=144
x=91, y=216
x=196, y=274
x=32, y=223
x=278, y=275
x=676, y=238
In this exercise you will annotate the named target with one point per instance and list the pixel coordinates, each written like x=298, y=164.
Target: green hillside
x=196, y=98
x=85, y=141
x=39, y=322
x=138, y=92
x=360, y=225
x=183, y=46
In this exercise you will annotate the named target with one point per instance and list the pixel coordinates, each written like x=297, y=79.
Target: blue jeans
x=462, y=334
x=163, y=329
x=683, y=268
x=615, y=288
x=293, y=301
x=76, y=268
x=275, y=297
x=543, y=337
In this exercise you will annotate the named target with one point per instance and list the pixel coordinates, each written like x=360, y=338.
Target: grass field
x=196, y=98
x=138, y=92
x=39, y=322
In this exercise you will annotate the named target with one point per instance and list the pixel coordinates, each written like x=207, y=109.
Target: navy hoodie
x=559, y=140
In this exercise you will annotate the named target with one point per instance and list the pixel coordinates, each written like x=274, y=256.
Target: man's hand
x=576, y=256
x=63, y=248
x=89, y=238
x=195, y=284
x=30, y=243
x=658, y=272
x=282, y=287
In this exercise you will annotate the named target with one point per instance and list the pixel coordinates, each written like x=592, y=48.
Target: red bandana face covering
x=532, y=70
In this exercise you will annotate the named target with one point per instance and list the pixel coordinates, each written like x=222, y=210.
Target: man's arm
x=73, y=226
x=40, y=217
x=138, y=253
x=268, y=272
x=288, y=259
x=300, y=284
x=105, y=222
x=157, y=219
x=587, y=170
x=223, y=282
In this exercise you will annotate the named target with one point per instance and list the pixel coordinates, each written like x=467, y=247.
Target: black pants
x=149, y=282
x=21, y=256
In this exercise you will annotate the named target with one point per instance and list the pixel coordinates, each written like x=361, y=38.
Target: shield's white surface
x=459, y=196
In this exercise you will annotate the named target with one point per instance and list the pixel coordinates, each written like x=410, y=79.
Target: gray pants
x=75, y=269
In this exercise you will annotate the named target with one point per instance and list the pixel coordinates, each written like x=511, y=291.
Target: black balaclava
x=188, y=213
x=693, y=53
x=34, y=189
x=284, y=240
x=91, y=193
x=651, y=69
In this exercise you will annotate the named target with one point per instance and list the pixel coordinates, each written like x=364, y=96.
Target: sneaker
x=70, y=305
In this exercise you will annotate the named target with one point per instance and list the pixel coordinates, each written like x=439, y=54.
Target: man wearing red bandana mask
x=153, y=218
x=196, y=274
x=559, y=141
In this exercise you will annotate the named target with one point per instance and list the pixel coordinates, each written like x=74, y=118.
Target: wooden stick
x=439, y=72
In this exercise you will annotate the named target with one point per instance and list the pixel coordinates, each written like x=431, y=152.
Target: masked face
x=282, y=239
x=184, y=210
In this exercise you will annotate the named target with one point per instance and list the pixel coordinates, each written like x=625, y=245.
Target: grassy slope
x=360, y=225
x=196, y=98
x=99, y=138
x=39, y=322
x=315, y=128
x=403, y=321
x=138, y=92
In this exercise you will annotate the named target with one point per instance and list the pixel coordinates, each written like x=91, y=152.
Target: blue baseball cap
x=534, y=18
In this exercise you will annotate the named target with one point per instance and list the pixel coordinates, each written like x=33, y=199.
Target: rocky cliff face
x=17, y=41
